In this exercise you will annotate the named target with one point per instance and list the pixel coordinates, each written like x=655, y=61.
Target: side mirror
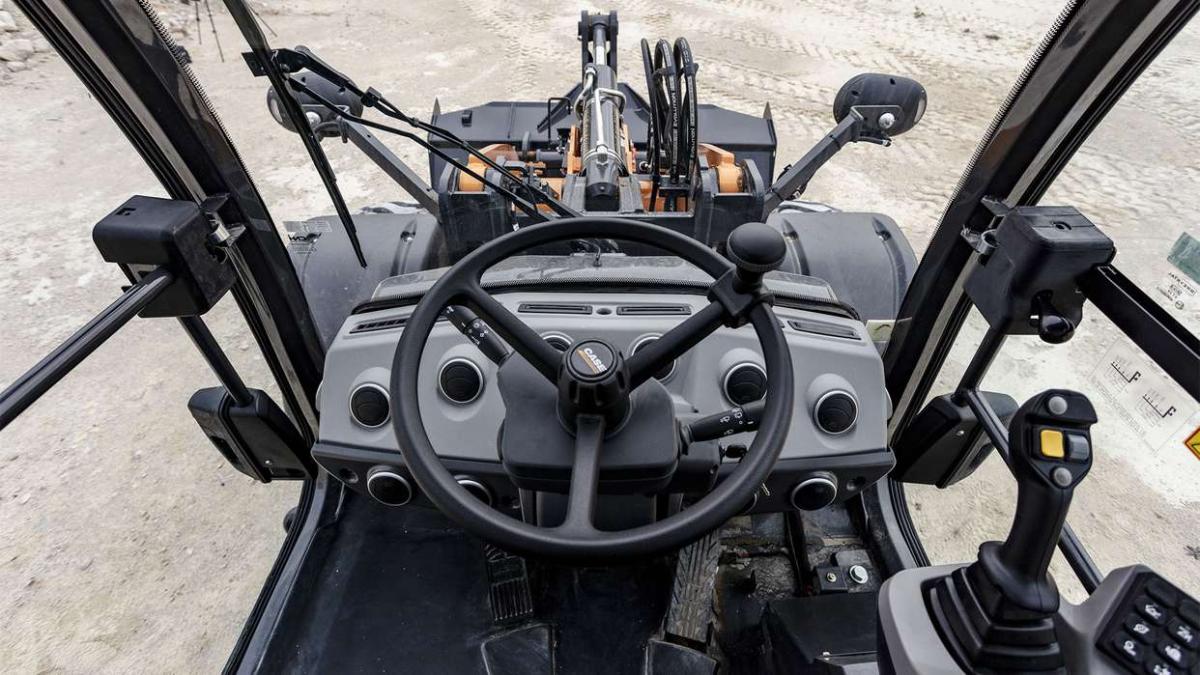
x=905, y=98
x=945, y=442
x=316, y=113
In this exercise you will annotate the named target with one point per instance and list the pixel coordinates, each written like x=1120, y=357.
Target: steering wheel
x=598, y=389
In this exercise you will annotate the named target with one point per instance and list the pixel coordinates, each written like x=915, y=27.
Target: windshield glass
x=1135, y=178
x=748, y=57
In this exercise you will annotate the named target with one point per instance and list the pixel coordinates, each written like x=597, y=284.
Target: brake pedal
x=509, y=594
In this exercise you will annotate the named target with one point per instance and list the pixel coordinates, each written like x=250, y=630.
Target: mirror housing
x=945, y=442
x=876, y=89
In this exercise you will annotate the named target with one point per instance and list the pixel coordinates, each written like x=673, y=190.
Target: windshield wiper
x=267, y=66
x=293, y=60
x=518, y=201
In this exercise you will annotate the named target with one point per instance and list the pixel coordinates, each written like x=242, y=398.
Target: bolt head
x=887, y=120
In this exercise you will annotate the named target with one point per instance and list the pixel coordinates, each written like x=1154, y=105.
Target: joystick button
x=1174, y=654
x=1129, y=648
x=1153, y=612
x=1183, y=634
x=1078, y=448
x=1052, y=444
x=1140, y=628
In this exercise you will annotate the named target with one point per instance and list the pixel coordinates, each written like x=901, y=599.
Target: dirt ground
x=128, y=545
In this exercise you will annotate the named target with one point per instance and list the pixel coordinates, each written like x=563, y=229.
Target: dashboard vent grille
x=553, y=308
x=654, y=310
x=822, y=328
x=379, y=324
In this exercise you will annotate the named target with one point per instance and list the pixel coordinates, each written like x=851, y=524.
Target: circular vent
x=388, y=487
x=460, y=381
x=814, y=492
x=557, y=340
x=835, y=412
x=476, y=488
x=745, y=383
x=369, y=406
x=643, y=342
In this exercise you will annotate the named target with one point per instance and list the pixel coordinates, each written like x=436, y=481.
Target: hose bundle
x=672, y=137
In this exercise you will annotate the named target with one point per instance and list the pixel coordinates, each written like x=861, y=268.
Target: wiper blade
x=267, y=65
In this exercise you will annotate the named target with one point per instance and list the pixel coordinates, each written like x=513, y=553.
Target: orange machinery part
x=730, y=177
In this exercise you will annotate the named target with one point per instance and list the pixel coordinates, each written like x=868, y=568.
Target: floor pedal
x=691, y=612
x=509, y=595
x=527, y=651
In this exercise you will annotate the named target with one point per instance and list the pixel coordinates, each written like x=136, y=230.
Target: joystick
x=997, y=614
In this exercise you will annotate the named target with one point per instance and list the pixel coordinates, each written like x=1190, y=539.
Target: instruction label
x=1154, y=407
x=1180, y=291
x=303, y=234
x=1181, y=285
x=1185, y=254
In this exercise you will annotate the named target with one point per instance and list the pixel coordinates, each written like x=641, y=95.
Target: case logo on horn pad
x=591, y=359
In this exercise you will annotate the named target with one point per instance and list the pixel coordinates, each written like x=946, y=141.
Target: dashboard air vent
x=654, y=310
x=553, y=308
x=822, y=328
x=379, y=324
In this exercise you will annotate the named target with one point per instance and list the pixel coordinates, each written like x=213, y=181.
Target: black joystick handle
x=1050, y=450
x=998, y=614
x=755, y=249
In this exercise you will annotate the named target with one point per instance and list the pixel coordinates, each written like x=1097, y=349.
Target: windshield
x=795, y=61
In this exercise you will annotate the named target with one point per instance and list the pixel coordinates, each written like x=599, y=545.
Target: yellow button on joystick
x=1052, y=444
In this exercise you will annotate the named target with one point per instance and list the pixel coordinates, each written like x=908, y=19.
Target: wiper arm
x=303, y=58
x=395, y=113
x=268, y=66
x=518, y=201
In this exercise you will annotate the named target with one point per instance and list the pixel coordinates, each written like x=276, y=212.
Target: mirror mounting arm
x=863, y=123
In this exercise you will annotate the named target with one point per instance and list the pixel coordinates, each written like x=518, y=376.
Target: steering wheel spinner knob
x=756, y=248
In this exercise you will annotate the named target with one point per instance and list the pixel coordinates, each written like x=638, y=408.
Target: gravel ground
x=128, y=545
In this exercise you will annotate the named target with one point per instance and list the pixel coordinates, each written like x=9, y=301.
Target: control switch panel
x=1155, y=629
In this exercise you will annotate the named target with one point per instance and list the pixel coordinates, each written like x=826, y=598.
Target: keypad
x=1155, y=629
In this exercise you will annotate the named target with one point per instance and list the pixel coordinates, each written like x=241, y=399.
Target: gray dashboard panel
x=469, y=431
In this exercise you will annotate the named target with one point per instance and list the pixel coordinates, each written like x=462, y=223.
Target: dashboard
x=837, y=440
